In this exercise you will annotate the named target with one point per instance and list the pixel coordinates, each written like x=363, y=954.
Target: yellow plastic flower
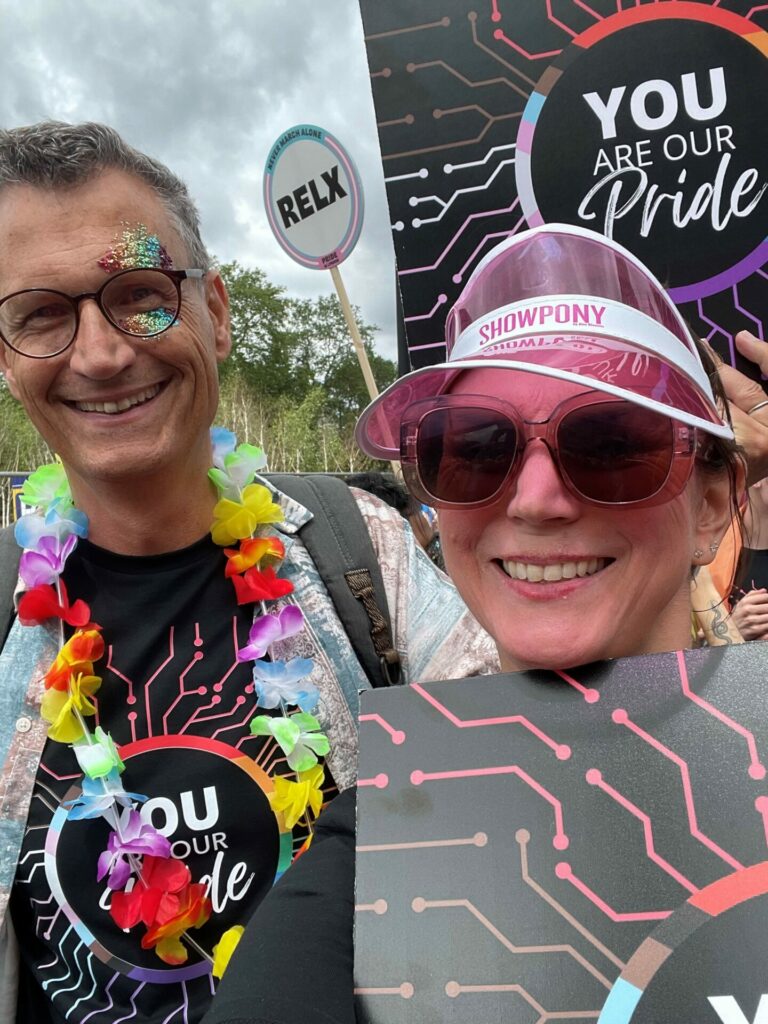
x=224, y=948
x=235, y=520
x=293, y=798
x=58, y=707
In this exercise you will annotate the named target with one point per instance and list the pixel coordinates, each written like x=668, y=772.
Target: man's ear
x=7, y=372
x=715, y=510
x=217, y=299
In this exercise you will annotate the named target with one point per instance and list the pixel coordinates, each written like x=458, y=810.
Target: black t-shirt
x=179, y=704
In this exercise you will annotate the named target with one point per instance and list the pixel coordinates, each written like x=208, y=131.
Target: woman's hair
x=723, y=455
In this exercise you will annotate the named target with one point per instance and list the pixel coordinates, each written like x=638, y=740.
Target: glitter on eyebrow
x=135, y=247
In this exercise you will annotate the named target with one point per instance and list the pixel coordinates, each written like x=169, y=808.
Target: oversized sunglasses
x=463, y=451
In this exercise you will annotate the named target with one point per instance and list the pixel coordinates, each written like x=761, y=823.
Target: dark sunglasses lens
x=617, y=452
x=463, y=455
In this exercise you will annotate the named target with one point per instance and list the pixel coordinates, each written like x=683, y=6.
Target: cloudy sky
x=207, y=86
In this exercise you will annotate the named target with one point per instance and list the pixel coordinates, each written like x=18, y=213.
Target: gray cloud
x=206, y=87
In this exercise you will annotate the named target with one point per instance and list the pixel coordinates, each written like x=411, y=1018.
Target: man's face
x=70, y=241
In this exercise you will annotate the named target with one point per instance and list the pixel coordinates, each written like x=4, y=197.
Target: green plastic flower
x=299, y=737
x=239, y=468
x=47, y=484
x=99, y=756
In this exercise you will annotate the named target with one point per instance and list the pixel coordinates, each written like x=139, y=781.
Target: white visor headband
x=543, y=321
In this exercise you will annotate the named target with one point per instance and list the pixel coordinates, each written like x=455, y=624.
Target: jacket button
x=23, y=724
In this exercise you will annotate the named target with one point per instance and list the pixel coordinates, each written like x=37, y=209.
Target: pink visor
x=564, y=302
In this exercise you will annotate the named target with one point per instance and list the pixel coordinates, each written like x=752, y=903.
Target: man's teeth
x=534, y=573
x=122, y=405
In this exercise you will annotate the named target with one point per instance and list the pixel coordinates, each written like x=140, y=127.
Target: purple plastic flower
x=61, y=520
x=276, y=681
x=266, y=629
x=45, y=563
x=134, y=836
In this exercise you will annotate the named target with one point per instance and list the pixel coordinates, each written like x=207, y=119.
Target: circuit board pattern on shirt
x=179, y=704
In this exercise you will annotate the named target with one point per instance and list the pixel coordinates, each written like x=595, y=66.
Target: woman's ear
x=715, y=509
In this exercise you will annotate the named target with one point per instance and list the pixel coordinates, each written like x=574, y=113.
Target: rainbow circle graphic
x=682, y=10
x=89, y=940
x=700, y=909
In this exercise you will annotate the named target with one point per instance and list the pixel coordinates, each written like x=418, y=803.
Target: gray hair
x=54, y=154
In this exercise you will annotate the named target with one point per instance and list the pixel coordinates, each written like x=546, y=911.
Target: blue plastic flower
x=99, y=796
x=276, y=681
x=223, y=442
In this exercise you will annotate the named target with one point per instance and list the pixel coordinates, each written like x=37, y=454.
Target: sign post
x=314, y=202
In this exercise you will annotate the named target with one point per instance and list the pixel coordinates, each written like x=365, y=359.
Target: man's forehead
x=114, y=220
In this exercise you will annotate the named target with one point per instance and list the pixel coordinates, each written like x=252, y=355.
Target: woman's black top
x=294, y=964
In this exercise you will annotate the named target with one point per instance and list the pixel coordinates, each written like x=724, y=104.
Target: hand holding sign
x=744, y=395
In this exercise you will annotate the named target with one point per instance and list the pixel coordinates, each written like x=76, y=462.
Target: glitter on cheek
x=152, y=321
x=135, y=247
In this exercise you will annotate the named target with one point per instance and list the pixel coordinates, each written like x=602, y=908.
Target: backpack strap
x=338, y=540
x=10, y=553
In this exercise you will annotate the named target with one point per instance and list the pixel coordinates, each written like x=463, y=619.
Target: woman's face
x=631, y=591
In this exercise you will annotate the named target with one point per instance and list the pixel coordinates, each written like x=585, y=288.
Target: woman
x=582, y=470
x=750, y=593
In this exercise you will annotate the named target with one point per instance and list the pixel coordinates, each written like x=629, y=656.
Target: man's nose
x=100, y=350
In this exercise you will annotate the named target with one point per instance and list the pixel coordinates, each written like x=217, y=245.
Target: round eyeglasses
x=144, y=302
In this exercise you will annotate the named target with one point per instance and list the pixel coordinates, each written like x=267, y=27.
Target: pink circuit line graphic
x=560, y=840
x=419, y=905
x=564, y=871
x=756, y=768
x=522, y=838
x=479, y=839
x=590, y=695
x=620, y=717
x=454, y=989
x=473, y=216
x=405, y=991
x=595, y=778
x=562, y=751
x=396, y=735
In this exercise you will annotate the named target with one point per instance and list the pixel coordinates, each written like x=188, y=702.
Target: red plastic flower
x=252, y=551
x=192, y=911
x=260, y=585
x=76, y=657
x=42, y=603
x=155, y=898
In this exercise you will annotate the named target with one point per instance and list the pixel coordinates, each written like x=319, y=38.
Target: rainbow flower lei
x=148, y=886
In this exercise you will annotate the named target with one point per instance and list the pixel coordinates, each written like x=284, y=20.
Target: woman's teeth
x=122, y=405
x=533, y=573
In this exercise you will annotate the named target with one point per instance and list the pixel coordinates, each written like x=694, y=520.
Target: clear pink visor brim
x=613, y=367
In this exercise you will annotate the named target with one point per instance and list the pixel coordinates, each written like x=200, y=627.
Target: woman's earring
x=713, y=547
x=698, y=553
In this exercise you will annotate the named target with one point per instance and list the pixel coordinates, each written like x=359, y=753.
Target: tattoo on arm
x=719, y=626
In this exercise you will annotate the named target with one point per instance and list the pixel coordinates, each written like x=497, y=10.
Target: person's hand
x=750, y=615
x=750, y=427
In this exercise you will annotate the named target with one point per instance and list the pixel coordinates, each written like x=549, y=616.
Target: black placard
x=589, y=845
x=496, y=117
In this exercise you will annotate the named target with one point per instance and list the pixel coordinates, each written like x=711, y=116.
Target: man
x=128, y=411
